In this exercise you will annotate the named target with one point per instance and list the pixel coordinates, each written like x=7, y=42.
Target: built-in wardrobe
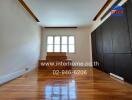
x=112, y=44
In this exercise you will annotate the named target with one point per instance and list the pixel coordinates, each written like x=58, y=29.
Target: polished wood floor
x=43, y=85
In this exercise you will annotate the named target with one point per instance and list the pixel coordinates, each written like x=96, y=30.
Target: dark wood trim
x=109, y=10
x=28, y=10
x=61, y=27
x=102, y=9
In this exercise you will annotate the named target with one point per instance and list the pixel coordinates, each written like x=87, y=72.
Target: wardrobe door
x=120, y=34
x=109, y=63
x=94, y=54
x=107, y=46
x=99, y=47
x=128, y=68
x=129, y=16
x=121, y=43
x=123, y=63
x=107, y=36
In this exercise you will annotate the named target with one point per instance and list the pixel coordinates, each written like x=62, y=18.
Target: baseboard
x=6, y=78
x=116, y=76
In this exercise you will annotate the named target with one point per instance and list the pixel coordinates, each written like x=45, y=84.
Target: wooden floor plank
x=43, y=85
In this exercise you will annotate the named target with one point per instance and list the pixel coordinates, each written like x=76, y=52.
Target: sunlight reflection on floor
x=61, y=91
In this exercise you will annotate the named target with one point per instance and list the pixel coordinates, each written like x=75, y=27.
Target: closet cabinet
x=99, y=47
x=128, y=68
x=120, y=34
x=107, y=36
x=129, y=16
x=108, y=56
x=121, y=44
x=112, y=44
x=94, y=54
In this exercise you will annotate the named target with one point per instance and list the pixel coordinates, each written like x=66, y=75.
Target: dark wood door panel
x=99, y=42
x=123, y=65
x=109, y=63
x=107, y=36
x=94, y=52
x=120, y=34
x=112, y=45
x=129, y=16
x=99, y=47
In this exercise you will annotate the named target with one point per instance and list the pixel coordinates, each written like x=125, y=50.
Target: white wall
x=83, y=42
x=19, y=39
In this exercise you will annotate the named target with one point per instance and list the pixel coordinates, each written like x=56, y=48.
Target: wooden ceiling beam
x=102, y=9
x=28, y=10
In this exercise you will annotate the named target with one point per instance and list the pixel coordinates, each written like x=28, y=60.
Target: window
x=50, y=44
x=61, y=44
x=57, y=44
x=71, y=44
x=64, y=47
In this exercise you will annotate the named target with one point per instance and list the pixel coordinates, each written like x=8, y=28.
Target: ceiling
x=65, y=13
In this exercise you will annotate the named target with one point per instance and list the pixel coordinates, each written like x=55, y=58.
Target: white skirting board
x=116, y=76
x=11, y=76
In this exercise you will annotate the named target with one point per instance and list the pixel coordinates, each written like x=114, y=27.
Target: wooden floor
x=43, y=85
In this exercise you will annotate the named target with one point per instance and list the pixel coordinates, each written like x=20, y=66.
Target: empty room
x=65, y=49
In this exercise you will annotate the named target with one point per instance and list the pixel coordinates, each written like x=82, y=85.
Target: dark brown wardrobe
x=112, y=44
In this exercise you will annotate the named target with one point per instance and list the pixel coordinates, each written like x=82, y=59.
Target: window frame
x=61, y=43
